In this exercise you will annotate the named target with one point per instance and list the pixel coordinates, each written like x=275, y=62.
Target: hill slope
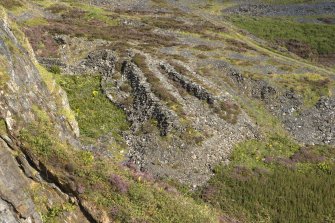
x=165, y=111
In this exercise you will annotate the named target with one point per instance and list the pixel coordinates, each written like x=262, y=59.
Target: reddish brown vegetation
x=238, y=46
x=42, y=42
x=119, y=184
x=208, y=193
x=307, y=155
x=301, y=49
x=57, y=8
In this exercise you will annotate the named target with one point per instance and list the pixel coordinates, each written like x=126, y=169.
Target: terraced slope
x=181, y=114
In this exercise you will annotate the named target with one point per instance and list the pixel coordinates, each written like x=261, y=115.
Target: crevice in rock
x=46, y=175
x=11, y=206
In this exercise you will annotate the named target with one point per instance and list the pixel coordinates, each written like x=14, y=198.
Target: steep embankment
x=47, y=176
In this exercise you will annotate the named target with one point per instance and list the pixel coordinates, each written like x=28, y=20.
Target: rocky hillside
x=165, y=111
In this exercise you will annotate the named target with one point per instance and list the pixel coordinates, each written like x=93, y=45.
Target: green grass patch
x=95, y=114
x=318, y=36
x=251, y=153
x=35, y=22
x=284, y=195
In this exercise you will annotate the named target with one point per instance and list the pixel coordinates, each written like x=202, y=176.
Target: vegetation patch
x=203, y=48
x=97, y=116
x=228, y=111
x=41, y=41
x=54, y=69
x=57, y=8
x=199, y=26
x=319, y=37
x=274, y=179
x=238, y=46
x=106, y=185
x=4, y=76
x=37, y=21
x=11, y=4
x=284, y=194
x=310, y=86
x=3, y=127
x=82, y=22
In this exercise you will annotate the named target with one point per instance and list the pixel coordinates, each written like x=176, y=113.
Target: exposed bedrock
x=27, y=94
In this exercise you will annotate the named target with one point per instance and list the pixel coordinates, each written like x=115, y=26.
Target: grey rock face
x=14, y=187
x=6, y=213
x=146, y=105
x=102, y=61
x=168, y=150
x=315, y=125
x=24, y=89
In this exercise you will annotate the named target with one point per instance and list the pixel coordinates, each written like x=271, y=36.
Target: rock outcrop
x=145, y=104
x=195, y=89
x=26, y=91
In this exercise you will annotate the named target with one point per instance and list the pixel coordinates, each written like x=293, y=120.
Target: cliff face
x=26, y=91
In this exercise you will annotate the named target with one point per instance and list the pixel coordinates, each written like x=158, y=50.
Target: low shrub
x=54, y=69
x=228, y=111
x=120, y=184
